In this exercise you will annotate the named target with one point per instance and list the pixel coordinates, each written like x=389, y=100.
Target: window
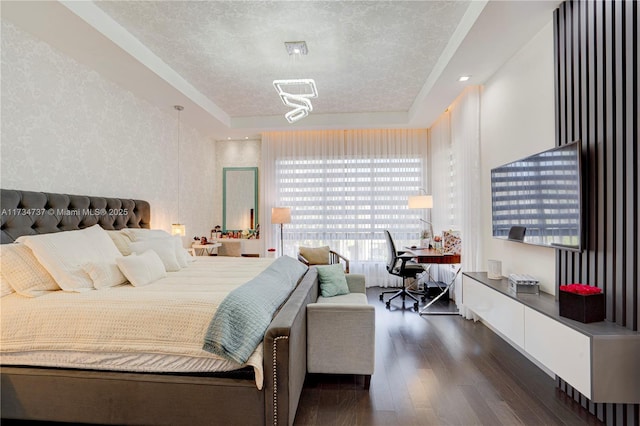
x=347, y=203
x=344, y=193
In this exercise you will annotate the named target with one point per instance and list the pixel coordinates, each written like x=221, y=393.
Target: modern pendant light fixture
x=295, y=93
x=305, y=89
x=178, y=228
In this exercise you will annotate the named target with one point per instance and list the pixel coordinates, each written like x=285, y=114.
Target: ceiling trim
x=98, y=19
x=468, y=21
x=323, y=121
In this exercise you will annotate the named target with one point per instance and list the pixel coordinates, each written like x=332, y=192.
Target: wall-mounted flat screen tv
x=537, y=200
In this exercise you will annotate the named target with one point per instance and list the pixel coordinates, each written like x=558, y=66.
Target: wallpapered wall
x=67, y=129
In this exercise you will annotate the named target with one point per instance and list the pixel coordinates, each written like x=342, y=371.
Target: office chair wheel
x=388, y=304
x=415, y=306
x=423, y=298
x=381, y=298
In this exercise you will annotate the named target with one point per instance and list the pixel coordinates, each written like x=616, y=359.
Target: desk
x=432, y=256
x=205, y=249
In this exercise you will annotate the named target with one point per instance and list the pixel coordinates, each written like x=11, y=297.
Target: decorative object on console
x=281, y=215
x=178, y=228
x=581, y=302
x=494, y=269
x=523, y=283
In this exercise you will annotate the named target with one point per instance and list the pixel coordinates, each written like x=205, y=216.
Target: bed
x=90, y=394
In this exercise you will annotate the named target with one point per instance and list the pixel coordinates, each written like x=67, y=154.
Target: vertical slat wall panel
x=619, y=164
x=610, y=162
x=596, y=71
x=631, y=132
x=635, y=12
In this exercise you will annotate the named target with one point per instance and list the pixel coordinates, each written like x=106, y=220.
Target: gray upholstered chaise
x=341, y=333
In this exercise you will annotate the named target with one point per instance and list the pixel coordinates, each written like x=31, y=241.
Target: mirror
x=239, y=198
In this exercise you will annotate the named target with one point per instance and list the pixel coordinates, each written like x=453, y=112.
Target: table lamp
x=422, y=202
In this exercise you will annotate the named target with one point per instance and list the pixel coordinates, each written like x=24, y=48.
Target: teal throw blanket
x=244, y=315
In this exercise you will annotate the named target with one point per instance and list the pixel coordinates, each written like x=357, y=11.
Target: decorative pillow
x=316, y=256
x=64, y=253
x=165, y=248
x=181, y=254
x=139, y=234
x=332, y=280
x=142, y=269
x=104, y=274
x=121, y=241
x=23, y=273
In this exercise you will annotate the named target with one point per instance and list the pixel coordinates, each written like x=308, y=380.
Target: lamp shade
x=421, y=202
x=178, y=229
x=281, y=215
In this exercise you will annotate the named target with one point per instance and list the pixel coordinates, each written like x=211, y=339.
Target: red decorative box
x=581, y=307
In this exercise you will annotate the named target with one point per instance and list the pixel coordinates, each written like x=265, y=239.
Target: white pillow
x=165, y=248
x=139, y=234
x=63, y=254
x=121, y=241
x=104, y=274
x=22, y=273
x=181, y=254
x=142, y=269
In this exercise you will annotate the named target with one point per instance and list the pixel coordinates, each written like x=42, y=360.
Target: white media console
x=601, y=360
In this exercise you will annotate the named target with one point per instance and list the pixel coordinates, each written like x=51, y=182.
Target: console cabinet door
x=562, y=350
x=497, y=310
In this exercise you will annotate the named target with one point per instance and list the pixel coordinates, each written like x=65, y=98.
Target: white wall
x=235, y=153
x=517, y=120
x=67, y=129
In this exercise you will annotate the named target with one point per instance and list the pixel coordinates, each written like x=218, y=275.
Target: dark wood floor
x=439, y=370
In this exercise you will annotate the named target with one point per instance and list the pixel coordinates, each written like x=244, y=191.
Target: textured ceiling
x=364, y=56
x=377, y=64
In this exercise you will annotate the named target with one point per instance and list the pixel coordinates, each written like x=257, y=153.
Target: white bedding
x=156, y=328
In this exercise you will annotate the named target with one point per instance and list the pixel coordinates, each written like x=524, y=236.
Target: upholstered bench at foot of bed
x=341, y=333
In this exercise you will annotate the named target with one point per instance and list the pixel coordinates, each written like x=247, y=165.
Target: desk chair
x=400, y=265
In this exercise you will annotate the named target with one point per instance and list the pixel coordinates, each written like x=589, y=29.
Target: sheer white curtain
x=344, y=187
x=455, y=153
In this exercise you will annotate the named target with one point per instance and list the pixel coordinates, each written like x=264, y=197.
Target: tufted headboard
x=29, y=213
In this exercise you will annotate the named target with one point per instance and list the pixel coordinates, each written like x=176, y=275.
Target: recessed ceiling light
x=228, y=138
x=296, y=47
x=246, y=137
x=464, y=77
